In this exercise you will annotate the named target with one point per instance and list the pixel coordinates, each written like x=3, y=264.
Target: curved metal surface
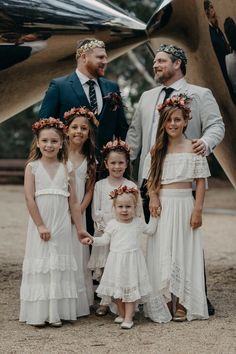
x=38, y=38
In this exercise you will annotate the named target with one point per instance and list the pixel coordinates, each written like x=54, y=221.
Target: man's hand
x=199, y=147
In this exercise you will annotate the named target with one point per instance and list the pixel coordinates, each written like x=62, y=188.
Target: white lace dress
x=81, y=252
x=175, y=254
x=102, y=212
x=48, y=290
x=125, y=274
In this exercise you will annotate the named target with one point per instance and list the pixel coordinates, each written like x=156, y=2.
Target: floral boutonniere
x=114, y=99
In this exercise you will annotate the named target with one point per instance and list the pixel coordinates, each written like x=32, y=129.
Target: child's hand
x=82, y=234
x=86, y=241
x=154, y=205
x=196, y=219
x=44, y=233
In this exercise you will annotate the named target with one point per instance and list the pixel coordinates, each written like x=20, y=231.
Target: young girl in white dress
x=116, y=170
x=80, y=123
x=48, y=290
x=175, y=253
x=125, y=277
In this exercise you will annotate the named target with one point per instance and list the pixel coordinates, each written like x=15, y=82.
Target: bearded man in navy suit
x=71, y=91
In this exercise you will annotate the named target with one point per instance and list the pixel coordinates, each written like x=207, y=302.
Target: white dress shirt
x=83, y=79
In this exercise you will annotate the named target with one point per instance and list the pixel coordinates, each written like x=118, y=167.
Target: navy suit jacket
x=67, y=92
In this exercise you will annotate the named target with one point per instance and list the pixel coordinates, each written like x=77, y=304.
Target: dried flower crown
x=114, y=145
x=172, y=49
x=48, y=122
x=121, y=190
x=181, y=101
x=89, y=46
x=80, y=112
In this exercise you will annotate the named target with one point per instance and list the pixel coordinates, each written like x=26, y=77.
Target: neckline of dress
x=52, y=178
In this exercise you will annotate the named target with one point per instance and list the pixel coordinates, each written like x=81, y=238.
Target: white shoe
x=119, y=319
x=56, y=324
x=127, y=325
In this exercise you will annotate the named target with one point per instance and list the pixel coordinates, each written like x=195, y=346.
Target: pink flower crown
x=121, y=190
x=114, y=145
x=181, y=101
x=48, y=122
x=80, y=112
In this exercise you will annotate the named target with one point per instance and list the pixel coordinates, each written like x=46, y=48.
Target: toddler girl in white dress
x=125, y=277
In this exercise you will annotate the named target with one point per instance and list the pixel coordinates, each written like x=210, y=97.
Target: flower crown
x=89, y=46
x=78, y=112
x=121, y=190
x=113, y=145
x=48, y=122
x=181, y=101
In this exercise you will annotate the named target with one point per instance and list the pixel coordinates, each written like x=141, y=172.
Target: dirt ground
x=100, y=335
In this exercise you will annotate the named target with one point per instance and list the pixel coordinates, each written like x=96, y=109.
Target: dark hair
x=182, y=65
x=230, y=32
x=159, y=149
x=88, y=150
x=103, y=173
x=35, y=152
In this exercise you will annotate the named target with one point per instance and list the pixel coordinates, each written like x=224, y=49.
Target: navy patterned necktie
x=92, y=96
x=168, y=92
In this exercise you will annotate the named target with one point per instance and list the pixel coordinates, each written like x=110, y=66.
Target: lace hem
x=140, y=294
x=157, y=310
x=53, y=262
x=191, y=297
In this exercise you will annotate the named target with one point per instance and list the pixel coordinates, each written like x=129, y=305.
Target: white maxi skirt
x=175, y=256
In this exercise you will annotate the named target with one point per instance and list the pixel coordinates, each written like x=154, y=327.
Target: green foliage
x=16, y=134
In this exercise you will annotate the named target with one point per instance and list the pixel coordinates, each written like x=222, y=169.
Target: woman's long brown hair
x=159, y=149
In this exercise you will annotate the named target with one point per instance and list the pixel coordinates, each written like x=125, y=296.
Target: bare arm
x=29, y=189
x=196, y=217
x=87, y=198
x=76, y=209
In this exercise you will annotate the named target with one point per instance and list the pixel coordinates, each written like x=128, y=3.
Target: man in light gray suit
x=205, y=129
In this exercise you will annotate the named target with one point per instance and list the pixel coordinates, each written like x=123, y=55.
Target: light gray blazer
x=206, y=120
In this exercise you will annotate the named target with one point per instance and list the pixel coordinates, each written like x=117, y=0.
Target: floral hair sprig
x=48, y=122
x=114, y=99
x=113, y=145
x=89, y=46
x=78, y=112
x=181, y=101
x=121, y=190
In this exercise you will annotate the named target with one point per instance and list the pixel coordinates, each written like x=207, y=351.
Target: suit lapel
x=151, y=106
x=105, y=89
x=79, y=91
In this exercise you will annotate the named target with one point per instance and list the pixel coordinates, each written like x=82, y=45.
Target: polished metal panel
x=38, y=39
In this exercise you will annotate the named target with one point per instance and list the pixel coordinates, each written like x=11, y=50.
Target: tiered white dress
x=102, y=212
x=81, y=252
x=125, y=274
x=48, y=290
x=175, y=254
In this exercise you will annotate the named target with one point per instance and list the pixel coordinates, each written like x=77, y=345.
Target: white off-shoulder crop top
x=180, y=167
